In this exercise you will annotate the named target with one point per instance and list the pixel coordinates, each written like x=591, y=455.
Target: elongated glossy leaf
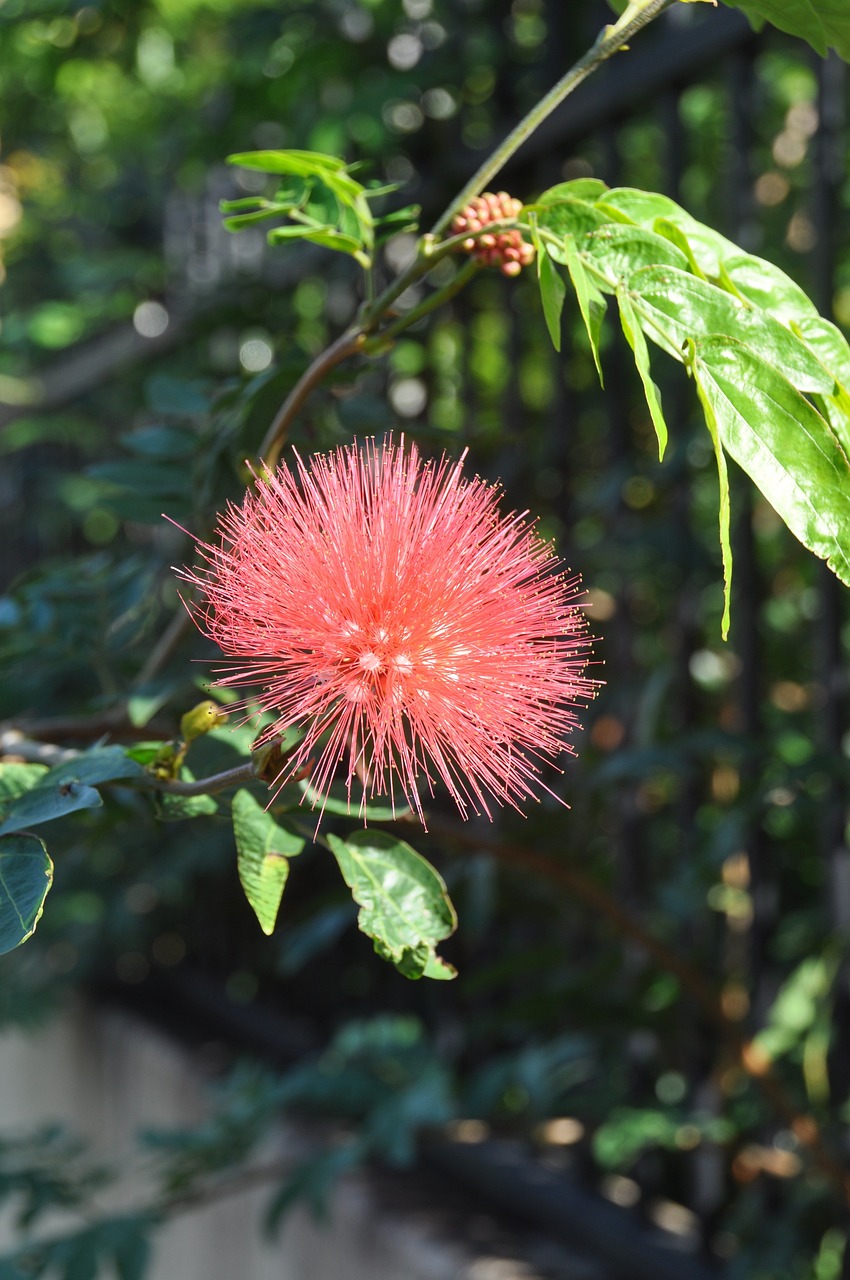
x=618, y=251
x=45, y=803
x=657, y=212
x=783, y=444
x=824, y=24
x=268, y=209
x=336, y=215
x=552, y=294
x=769, y=288
x=26, y=874
x=590, y=300
x=827, y=342
x=325, y=236
x=302, y=164
x=829, y=345
x=404, y=906
x=675, y=306
x=670, y=231
x=637, y=342
x=569, y=217
x=264, y=848
x=724, y=511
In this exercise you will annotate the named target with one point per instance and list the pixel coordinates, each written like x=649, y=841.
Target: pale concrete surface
x=105, y=1076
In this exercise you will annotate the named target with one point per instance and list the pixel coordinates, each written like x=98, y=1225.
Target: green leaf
x=331, y=209
x=725, y=508
x=336, y=801
x=45, y=803
x=173, y=808
x=822, y=23
x=303, y=164
x=765, y=285
x=591, y=303
x=783, y=444
x=618, y=251
x=588, y=189
x=26, y=874
x=438, y=968
x=404, y=905
x=127, y=1241
x=325, y=236
x=668, y=230
x=676, y=306
x=103, y=764
x=657, y=213
x=637, y=342
x=15, y=779
x=567, y=217
x=552, y=294
x=264, y=848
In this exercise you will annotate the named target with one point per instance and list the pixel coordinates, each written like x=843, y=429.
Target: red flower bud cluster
x=503, y=249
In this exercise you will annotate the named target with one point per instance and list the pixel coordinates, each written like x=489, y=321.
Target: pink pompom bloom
x=417, y=632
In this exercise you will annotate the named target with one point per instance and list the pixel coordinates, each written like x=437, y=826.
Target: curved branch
x=347, y=344
x=216, y=782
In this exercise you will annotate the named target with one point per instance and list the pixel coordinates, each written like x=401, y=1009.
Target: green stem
x=431, y=303
x=610, y=40
x=235, y=777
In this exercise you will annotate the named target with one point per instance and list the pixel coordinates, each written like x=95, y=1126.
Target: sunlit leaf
x=824, y=24
x=618, y=251
x=637, y=342
x=552, y=294
x=264, y=847
x=675, y=307
x=404, y=905
x=724, y=509
x=783, y=444
x=16, y=778
x=591, y=303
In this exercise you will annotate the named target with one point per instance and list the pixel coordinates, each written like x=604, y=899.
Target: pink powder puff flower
x=418, y=632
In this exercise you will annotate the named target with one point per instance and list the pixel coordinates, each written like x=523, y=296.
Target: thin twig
x=216, y=782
